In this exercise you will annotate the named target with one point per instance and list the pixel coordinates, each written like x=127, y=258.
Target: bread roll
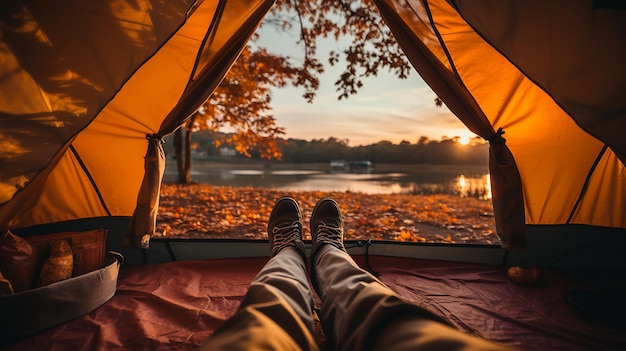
x=59, y=265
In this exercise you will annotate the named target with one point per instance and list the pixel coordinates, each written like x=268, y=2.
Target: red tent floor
x=178, y=305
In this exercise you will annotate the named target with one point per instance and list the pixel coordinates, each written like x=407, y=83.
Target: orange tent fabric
x=89, y=83
x=547, y=73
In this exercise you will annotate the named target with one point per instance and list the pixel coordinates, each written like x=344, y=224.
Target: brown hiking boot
x=326, y=225
x=284, y=227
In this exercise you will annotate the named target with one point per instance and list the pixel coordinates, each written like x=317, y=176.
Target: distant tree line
x=423, y=151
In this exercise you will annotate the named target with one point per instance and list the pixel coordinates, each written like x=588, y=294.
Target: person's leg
x=276, y=313
x=359, y=312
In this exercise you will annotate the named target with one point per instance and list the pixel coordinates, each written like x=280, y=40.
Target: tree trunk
x=180, y=156
x=187, y=165
x=182, y=147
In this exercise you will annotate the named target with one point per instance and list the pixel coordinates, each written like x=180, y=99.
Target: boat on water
x=343, y=166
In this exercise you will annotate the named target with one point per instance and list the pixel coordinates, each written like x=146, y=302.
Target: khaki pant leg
x=360, y=313
x=275, y=314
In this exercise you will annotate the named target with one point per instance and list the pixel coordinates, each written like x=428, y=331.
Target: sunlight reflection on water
x=295, y=172
x=362, y=183
x=243, y=172
x=474, y=186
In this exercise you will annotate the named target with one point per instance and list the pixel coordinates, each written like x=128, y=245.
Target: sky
x=385, y=108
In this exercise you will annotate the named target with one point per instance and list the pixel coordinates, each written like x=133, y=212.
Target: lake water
x=381, y=179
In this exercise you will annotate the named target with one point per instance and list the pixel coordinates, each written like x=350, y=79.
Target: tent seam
x=585, y=186
x=91, y=180
x=444, y=47
x=208, y=36
x=441, y=41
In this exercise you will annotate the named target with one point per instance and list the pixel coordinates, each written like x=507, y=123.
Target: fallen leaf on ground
x=207, y=211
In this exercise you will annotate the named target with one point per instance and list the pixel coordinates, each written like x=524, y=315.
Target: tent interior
x=89, y=89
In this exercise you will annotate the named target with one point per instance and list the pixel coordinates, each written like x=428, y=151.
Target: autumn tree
x=242, y=102
x=372, y=47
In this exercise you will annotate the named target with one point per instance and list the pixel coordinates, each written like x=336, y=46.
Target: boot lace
x=329, y=233
x=285, y=236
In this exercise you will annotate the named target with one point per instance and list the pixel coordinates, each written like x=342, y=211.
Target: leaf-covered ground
x=205, y=211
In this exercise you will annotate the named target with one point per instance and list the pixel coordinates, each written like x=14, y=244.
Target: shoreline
x=323, y=166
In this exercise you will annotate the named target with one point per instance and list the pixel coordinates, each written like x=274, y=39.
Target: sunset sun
x=464, y=140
